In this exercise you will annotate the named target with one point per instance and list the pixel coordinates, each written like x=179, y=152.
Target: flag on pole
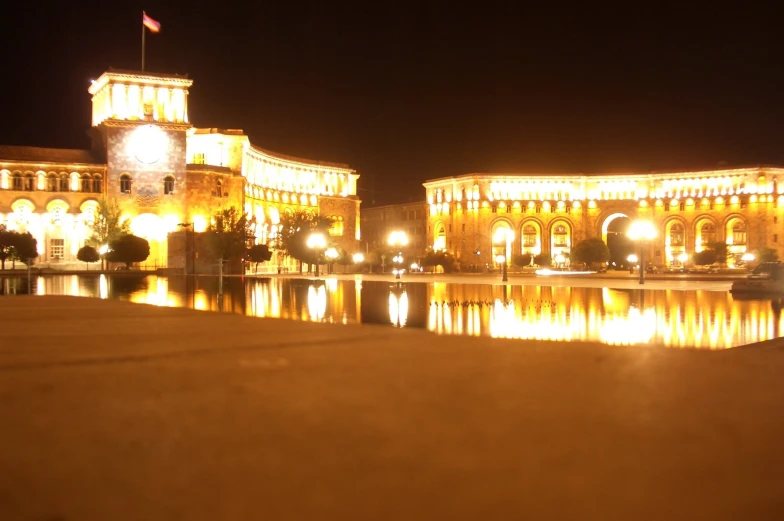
x=153, y=25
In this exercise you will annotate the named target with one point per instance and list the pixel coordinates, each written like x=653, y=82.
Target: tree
x=129, y=249
x=721, y=249
x=765, y=254
x=521, y=259
x=229, y=234
x=705, y=258
x=25, y=247
x=590, y=251
x=294, y=231
x=6, y=244
x=543, y=259
x=439, y=258
x=88, y=254
x=108, y=226
x=259, y=253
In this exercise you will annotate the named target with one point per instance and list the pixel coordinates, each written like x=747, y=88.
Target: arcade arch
x=531, y=237
x=439, y=241
x=502, y=236
x=735, y=230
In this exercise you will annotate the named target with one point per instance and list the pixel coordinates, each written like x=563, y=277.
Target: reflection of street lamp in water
x=642, y=231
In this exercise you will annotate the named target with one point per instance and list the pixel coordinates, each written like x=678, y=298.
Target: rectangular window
x=57, y=248
x=775, y=220
x=198, y=159
x=775, y=237
x=450, y=228
x=463, y=228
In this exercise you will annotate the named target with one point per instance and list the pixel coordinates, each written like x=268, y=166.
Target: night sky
x=410, y=91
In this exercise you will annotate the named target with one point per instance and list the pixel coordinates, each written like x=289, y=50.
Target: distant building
x=380, y=221
x=549, y=214
x=165, y=174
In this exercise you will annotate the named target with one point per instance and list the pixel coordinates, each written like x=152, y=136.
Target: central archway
x=614, y=233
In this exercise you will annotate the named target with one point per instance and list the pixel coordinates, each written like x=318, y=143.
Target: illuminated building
x=549, y=214
x=163, y=172
x=380, y=221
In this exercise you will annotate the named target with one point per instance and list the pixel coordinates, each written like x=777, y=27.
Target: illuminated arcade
x=549, y=214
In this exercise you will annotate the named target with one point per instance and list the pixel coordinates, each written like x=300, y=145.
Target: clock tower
x=142, y=121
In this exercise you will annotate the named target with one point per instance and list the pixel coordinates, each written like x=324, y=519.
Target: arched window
x=219, y=188
x=51, y=183
x=708, y=233
x=97, y=184
x=64, y=183
x=28, y=182
x=560, y=235
x=17, y=182
x=529, y=236
x=168, y=185
x=676, y=235
x=125, y=184
x=337, y=226
x=86, y=183
x=739, y=233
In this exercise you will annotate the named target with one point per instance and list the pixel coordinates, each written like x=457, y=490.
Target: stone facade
x=166, y=176
x=380, y=221
x=742, y=207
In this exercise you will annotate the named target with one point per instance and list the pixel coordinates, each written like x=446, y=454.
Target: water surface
x=672, y=318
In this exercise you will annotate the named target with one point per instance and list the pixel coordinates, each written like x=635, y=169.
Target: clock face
x=148, y=144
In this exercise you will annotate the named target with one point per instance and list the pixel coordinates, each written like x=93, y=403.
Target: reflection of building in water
x=322, y=301
x=670, y=318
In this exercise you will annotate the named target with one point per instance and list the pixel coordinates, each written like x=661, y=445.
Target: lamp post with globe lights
x=503, y=238
x=318, y=243
x=331, y=254
x=397, y=240
x=642, y=231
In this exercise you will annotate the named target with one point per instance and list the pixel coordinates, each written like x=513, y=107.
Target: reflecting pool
x=671, y=318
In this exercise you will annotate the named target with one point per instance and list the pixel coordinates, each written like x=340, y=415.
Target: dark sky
x=407, y=91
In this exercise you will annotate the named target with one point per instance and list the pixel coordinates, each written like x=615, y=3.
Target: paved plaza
x=112, y=410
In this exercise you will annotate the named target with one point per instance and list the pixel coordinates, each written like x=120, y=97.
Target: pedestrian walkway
x=112, y=410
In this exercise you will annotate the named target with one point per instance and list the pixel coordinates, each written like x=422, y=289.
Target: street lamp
x=103, y=250
x=398, y=239
x=632, y=259
x=503, y=237
x=398, y=260
x=331, y=254
x=193, y=246
x=318, y=243
x=642, y=231
x=682, y=258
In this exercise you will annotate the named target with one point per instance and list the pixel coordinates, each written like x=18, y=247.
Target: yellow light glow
x=199, y=223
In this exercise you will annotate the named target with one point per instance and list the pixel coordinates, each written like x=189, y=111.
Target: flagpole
x=143, y=33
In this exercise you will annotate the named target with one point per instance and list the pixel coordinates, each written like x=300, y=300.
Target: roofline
x=695, y=173
x=384, y=206
x=140, y=77
x=303, y=161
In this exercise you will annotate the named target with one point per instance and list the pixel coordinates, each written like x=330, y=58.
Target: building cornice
x=165, y=125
